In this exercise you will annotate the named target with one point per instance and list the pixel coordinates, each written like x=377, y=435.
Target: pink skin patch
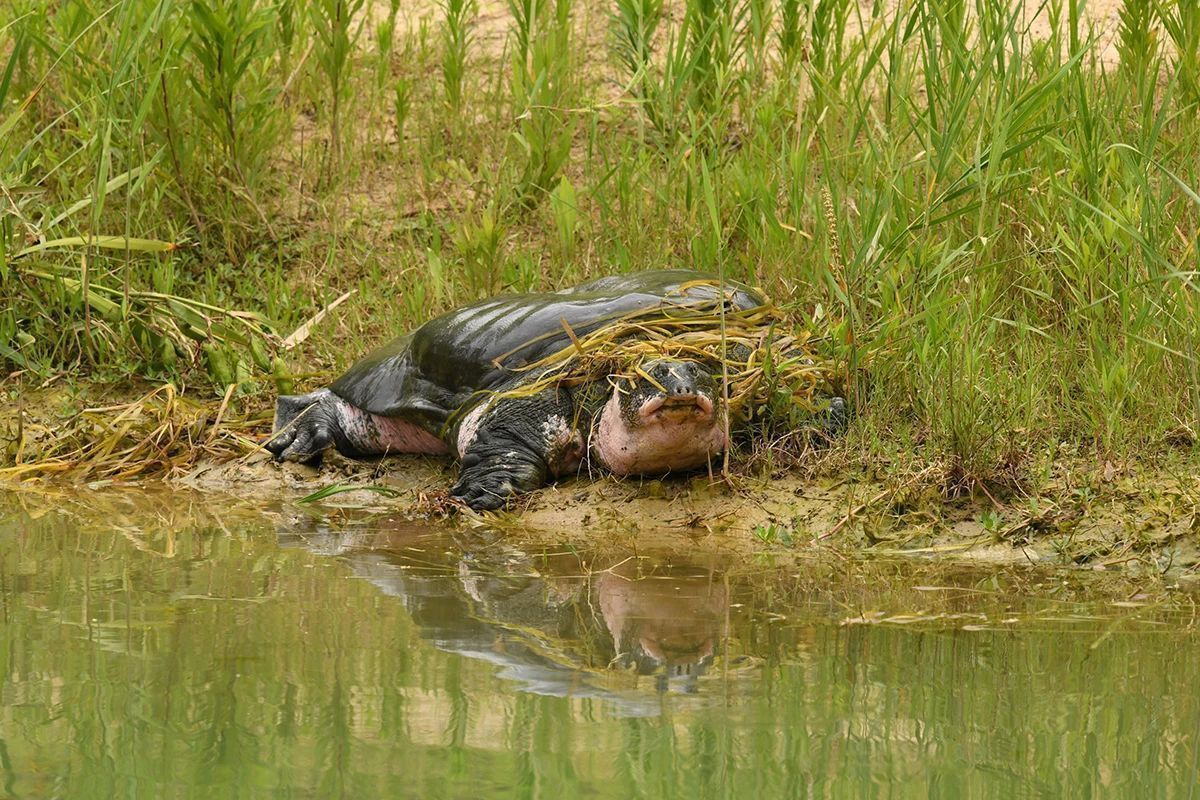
x=469, y=428
x=672, y=434
x=376, y=435
x=565, y=446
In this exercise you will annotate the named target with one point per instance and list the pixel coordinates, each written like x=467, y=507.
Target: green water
x=180, y=647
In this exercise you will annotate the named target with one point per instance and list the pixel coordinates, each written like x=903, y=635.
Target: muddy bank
x=1137, y=521
x=1082, y=514
x=958, y=583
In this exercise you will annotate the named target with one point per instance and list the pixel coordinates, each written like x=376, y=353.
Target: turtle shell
x=427, y=375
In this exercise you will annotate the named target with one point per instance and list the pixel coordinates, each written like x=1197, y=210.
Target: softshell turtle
x=446, y=388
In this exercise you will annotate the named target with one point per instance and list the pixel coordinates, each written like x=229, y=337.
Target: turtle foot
x=304, y=427
x=486, y=484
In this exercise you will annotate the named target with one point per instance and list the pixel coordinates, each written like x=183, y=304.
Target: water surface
x=180, y=646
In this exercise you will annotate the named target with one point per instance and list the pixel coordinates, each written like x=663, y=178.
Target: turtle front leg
x=513, y=446
x=487, y=482
x=304, y=426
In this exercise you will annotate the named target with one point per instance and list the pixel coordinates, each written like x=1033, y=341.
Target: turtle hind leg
x=304, y=427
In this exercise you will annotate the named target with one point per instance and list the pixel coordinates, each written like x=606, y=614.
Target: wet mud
x=1141, y=523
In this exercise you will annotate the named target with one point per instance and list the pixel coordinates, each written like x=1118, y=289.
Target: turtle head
x=665, y=418
x=667, y=391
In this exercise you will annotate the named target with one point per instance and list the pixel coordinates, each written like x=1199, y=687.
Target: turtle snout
x=679, y=390
x=685, y=387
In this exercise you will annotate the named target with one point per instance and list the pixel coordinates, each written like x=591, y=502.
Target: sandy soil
x=493, y=20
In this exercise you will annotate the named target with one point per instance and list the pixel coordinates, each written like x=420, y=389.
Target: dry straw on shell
x=763, y=356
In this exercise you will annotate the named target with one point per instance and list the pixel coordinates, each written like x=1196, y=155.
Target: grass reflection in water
x=168, y=649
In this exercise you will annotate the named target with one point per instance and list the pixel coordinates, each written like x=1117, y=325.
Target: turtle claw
x=487, y=484
x=309, y=444
x=303, y=429
x=484, y=498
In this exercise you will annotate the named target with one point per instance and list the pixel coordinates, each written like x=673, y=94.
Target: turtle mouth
x=676, y=408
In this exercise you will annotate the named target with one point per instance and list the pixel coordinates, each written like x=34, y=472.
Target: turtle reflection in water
x=549, y=623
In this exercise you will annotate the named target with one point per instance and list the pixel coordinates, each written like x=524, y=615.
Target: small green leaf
x=340, y=488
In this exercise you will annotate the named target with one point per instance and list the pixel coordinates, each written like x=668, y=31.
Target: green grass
x=998, y=232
